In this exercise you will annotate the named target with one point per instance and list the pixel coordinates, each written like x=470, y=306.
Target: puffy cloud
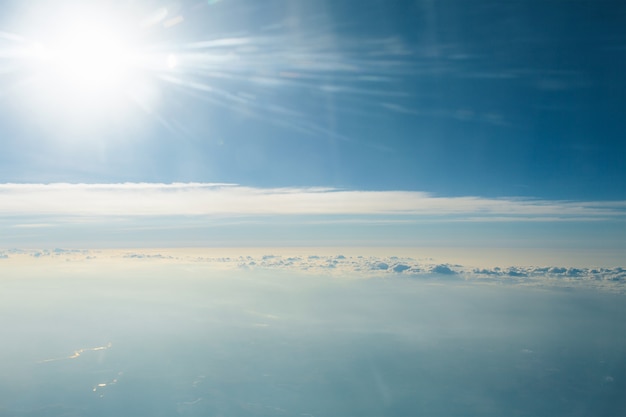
x=442, y=269
x=360, y=266
x=401, y=268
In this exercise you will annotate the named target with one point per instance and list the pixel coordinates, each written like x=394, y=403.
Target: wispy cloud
x=461, y=115
x=201, y=199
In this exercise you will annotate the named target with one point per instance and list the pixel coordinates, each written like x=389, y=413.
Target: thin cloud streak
x=200, y=199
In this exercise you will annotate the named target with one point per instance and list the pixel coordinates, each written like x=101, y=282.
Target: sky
x=441, y=123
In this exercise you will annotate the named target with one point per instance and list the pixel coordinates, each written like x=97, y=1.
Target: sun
x=90, y=57
x=87, y=51
x=86, y=64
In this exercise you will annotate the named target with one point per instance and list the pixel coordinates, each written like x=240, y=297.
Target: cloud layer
x=200, y=199
x=339, y=265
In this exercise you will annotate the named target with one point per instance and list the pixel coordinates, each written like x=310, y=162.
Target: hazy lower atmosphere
x=161, y=338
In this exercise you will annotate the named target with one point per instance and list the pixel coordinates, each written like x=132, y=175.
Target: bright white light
x=90, y=56
x=89, y=66
x=88, y=53
x=172, y=61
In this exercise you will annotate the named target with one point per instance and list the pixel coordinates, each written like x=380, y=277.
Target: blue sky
x=491, y=100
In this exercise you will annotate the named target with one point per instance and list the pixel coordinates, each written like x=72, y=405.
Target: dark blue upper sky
x=456, y=97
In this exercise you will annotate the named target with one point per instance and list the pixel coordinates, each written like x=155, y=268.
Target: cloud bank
x=201, y=199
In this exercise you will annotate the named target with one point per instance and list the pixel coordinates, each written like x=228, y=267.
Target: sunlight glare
x=89, y=55
x=89, y=66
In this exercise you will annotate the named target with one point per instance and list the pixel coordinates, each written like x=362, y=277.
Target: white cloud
x=328, y=263
x=200, y=199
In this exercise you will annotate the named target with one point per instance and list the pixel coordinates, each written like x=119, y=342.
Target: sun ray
x=81, y=68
